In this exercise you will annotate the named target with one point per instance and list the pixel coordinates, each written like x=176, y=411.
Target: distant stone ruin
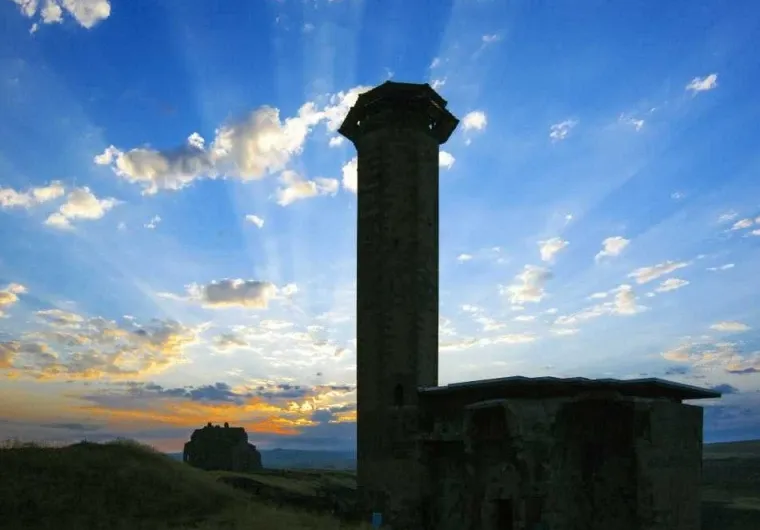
x=215, y=448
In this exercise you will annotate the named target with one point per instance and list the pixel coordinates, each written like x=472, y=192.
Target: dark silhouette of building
x=511, y=453
x=216, y=448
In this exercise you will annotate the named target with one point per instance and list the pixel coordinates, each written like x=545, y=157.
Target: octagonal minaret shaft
x=397, y=129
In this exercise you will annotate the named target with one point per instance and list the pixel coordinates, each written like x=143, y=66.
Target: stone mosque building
x=515, y=453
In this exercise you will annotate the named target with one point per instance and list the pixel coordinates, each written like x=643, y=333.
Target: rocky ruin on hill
x=216, y=448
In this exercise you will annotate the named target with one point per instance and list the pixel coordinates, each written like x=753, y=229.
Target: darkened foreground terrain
x=731, y=486
x=126, y=486
x=123, y=485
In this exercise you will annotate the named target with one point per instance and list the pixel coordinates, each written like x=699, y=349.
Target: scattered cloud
x=623, y=303
x=564, y=331
x=727, y=216
x=227, y=293
x=703, y=84
x=81, y=204
x=153, y=223
x=464, y=257
x=480, y=342
x=249, y=148
x=729, y=326
x=437, y=84
x=9, y=296
x=725, y=267
x=560, y=131
x=742, y=224
x=445, y=159
x=75, y=347
x=255, y=219
x=295, y=188
x=707, y=355
x=10, y=198
x=550, y=247
x=86, y=13
x=489, y=39
x=336, y=141
x=350, y=172
x=611, y=247
x=636, y=123
x=671, y=284
x=528, y=286
x=647, y=274
x=475, y=120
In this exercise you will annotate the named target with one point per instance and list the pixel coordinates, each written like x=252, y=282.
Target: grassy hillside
x=127, y=486
x=124, y=485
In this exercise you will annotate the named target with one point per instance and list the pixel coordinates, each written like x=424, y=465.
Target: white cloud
x=488, y=39
x=598, y=296
x=559, y=131
x=435, y=84
x=445, y=159
x=9, y=295
x=351, y=175
x=250, y=148
x=10, y=198
x=81, y=204
x=255, y=219
x=528, y=285
x=475, y=120
x=624, y=303
x=564, y=331
x=86, y=13
x=725, y=267
x=489, y=324
x=435, y=63
x=611, y=247
x=551, y=247
x=727, y=216
x=464, y=257
x=472, y=342
x=671, y=284
x=730, y=326
x=636, y=123
x=295, y=188
x=742, y=224
x=336, y=141
x=647, y=274
x=153, y=223
x=706, y=354
x=524, y=318
x=702, y=84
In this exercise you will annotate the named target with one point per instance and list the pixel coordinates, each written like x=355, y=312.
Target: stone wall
x=670, y=459
x=221, y=448
x=590, y=463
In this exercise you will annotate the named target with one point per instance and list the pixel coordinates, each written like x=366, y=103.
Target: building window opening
x=398, y=396
x=505, y=514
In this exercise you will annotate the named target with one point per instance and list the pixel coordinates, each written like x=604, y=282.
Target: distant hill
x=346, y=460
x=744, y=449
x=299, y=459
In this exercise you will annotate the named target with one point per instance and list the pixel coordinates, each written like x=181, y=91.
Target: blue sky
x=177, y=211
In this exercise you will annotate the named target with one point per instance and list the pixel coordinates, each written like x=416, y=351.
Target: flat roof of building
x=537, y=387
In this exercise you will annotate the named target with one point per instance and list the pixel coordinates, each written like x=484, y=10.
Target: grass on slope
x=126, y=486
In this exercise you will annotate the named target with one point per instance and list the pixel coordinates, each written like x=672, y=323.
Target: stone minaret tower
x=397, y=129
